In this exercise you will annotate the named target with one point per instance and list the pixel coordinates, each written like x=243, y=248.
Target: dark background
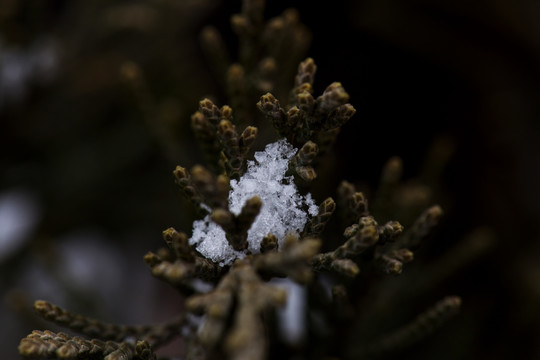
x=92, y=170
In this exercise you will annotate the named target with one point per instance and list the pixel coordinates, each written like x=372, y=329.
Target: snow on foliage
x=284, y=209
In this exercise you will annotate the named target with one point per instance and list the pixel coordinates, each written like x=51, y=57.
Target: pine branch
x=423, y=326
x=154, y=334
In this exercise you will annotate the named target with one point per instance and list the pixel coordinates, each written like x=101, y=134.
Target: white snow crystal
x=283, y=208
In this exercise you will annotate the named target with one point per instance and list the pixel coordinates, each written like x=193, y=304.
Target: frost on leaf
x=284, y=209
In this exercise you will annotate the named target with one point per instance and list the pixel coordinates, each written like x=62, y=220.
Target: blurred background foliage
x=87, y=153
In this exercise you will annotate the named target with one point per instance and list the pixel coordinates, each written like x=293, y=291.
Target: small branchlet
x=294, y=118
x=366, y=235
x=304, y=79
x=317, y=224
x=361, y=237
x=410, y=200
x=262, y=45
x=388, y=264
x=269, y=243
x=179, y=272
x=185, y=182
x=176, y=273
x=398, y=199
x=236, y=226
x=212, y=113
x=393, y=249
x=155, y=335
x=202, y=187
x=144, y=350
x=248, y=25
x=389, y=232
x=358, y=204
x=216, y=51
x=243, y=335
x=179, y=245
x=205, y=133
x=333, y=97
x=305, y=101
x=291, y=261
x=388, y=187
x=354, y=204
x=216, y=133
x=422, y=228
x=247, y=138
x=309, y=119
x=420, y=328
x=338, y=117
x=84, y=325
x=331, y=112
x=160, y=116
x=213, y=190
x=345, y=267
x=47, y=344
x=389, y=259
x=300, y=164
x=286, y=39
x=265, y=74
x=345, y=191
x=271, y=109
x=246, y=338
x=237, y=90
x=235, y=147
x=217, y=306
x=229, y=140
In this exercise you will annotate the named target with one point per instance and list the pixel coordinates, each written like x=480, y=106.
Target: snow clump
x=283, y=209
